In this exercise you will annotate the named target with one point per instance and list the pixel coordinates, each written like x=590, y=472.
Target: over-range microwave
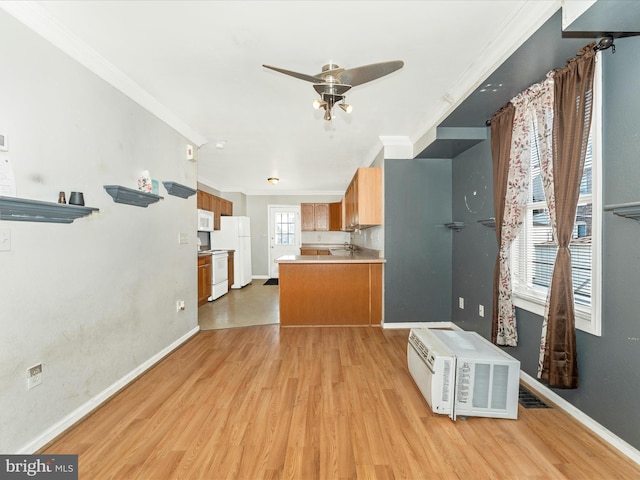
x=462, y=374
x=205, y=221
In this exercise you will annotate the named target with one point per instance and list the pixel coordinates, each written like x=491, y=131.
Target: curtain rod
x=604, y=44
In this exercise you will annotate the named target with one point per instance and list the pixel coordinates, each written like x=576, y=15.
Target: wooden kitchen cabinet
x=330, y=293
x=314, y=251
x=218, y=205
x=363, y=199
x=204, y=279
x=321, y=217
x=230, y=272
x=335, y=216
x=307, y=217
x=315, y=217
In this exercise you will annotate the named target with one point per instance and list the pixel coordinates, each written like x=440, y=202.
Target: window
x=533, y=252
x=285, y=228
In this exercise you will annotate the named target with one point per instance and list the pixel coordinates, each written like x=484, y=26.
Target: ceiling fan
x=334, y=81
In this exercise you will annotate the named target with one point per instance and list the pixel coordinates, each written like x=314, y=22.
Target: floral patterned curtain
x=534, y=105
x=573, y=90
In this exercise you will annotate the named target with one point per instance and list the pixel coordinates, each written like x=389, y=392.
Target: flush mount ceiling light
x=334, y=81
x=273, y=180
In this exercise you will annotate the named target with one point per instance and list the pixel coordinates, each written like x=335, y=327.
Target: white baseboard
x=609, y=437
x=450, y=325
x=82, y=411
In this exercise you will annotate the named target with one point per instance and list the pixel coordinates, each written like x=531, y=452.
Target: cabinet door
x=321, y=216
x=307, y=217
x=230, y=267
x=226, y=208
x=335, y=216
x=369, y=196
x=216, y=204
x=204, y=279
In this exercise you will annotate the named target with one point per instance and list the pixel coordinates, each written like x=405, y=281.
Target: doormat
x=528, y=400
x=271, y=281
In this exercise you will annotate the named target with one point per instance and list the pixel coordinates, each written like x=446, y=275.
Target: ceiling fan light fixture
x=327, y=114
x=273, y=180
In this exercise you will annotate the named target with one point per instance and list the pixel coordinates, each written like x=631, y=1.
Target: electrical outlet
x=481, y=310
x=461, y=303
x=180, y=305
x=34, y=376
x=5, y=240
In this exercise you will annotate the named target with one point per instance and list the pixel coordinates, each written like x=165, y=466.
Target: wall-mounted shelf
x=488, y=222
x=457, y=226
x=628, y=210
x=129, y=196
x=24, y=210
x=178, y=190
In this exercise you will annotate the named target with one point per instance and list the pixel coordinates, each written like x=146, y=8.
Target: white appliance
x=235, y=234
x=219, y=274
x=463, y=374
x=205, y=221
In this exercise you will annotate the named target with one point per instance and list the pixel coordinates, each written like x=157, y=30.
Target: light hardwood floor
x=315, y=403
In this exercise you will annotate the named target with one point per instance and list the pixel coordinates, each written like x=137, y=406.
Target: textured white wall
x=93, y=300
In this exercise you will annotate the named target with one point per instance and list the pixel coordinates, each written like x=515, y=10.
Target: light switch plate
x=4, y=142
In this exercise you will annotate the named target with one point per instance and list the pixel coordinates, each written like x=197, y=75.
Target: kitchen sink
x=341, y=252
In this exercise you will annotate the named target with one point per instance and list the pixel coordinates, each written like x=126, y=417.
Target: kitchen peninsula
x=342, y=288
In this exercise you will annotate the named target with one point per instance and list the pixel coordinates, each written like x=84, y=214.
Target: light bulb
x=346, y=107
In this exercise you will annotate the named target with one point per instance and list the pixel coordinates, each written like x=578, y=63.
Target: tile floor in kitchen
x=254, y=304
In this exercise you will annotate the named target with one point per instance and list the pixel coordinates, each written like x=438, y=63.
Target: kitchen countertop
x=209, y=252
x=338, y=254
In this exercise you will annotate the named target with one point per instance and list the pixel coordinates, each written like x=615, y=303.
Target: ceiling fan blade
x=366, y=73
x=301, y=76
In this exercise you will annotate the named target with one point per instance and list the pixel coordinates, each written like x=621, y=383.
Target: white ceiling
x=201, y=64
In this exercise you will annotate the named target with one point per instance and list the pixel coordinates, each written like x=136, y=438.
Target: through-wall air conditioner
x=463, y=374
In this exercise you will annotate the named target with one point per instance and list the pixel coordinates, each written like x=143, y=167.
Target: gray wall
x=417, y=246
x=475, y=246
x=95, y=299
x=608, y=365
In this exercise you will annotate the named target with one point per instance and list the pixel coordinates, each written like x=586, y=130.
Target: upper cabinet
x=335, y=216
x=218, y=205
x=321, y=217
x=363, y=199
x=315, y=216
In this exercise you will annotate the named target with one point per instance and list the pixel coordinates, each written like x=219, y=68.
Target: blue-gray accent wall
x=417, y=275
x=609, y=365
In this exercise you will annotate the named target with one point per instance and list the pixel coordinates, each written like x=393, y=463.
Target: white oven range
x=219, y=274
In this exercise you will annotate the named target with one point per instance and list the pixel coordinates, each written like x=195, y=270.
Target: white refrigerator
x=235, y=234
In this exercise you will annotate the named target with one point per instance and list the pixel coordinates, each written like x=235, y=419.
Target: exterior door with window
x=284, y=234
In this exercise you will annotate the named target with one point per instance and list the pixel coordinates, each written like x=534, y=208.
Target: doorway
x=285, y=234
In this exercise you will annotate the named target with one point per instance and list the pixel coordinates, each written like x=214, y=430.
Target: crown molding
x=40, y=21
